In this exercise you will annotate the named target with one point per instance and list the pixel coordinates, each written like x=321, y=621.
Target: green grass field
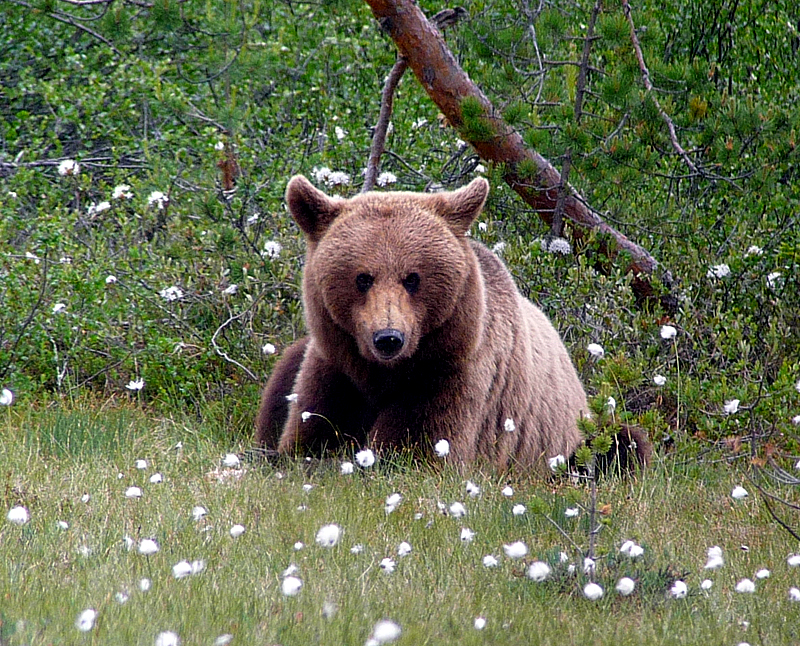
x=75, y=467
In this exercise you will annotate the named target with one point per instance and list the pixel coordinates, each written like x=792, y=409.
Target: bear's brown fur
x=417, y=334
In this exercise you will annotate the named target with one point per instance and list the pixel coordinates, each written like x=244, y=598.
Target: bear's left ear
x=312, y=209
x=461, y=207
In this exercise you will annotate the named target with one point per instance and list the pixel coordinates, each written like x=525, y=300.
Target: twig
x=222, y=352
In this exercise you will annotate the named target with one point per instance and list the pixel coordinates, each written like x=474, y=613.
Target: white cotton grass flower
x=499, y=247
x=85, y=620
x=739, y=493
x=596, y=350
x=140, y=464
x=473, y=490
x=167, y=638
x=509, y=426
x=64, y=525
x=442, y=448
x=611, y=404
x=731, y=406
x=718, y=271
x=299, y=545
x=392, y=501
x=346, y=468
x=156, y=478
x=745, y=586
x=457, y=510
x=158, y=199
x=365, y=458
x=763, y=573
x=272, y=249
x=231, y=461
x=268, y=349
x=556, y=462
x=479, y=623
x=289, y=571
x=659, y=380
x=290, y=586
x=197, y=566
x=59, y=308
x=145, y=584
x=69, y=168
x=148, y=546
x=223, y=640
x=135, y=384
x=668, y=332
x=171, y=294
x=518, y=510
x=128, y=542
x=589, y=565
x=706, y=585
x=199, y=512
x=387, y=565
x=328, y=535
x=538, y=571
x=111, y=279
x=625, y=586
x=121, y=597
x=793, y=560
x=237, y=530
x=404, y=549
x=516, y=550
x=679, y=590
x=384, y=632
x=507, y=491
x=386, y=178
x=715, y=559
x=308, y=487
x=18, y=515
x=182, y=569
x=133, y=492
x=467, y=535
x=122, y=191
x=773, y=279
x=571, y=512
x=754, y=250
x=592, y=591
x=490, y=561
x=794, y=594
x=6, y=397
x=357, y=548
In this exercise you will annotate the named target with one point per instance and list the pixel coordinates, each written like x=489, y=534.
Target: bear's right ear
x=312, y=209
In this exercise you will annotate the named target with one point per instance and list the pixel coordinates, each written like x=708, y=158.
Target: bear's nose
x=388, y=342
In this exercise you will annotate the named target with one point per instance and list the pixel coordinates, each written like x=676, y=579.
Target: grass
x=53, y=458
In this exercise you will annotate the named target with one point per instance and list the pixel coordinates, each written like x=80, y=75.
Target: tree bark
x=437, y=70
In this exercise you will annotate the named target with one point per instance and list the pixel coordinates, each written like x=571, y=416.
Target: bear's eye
x=364, y=282
x=411, y=283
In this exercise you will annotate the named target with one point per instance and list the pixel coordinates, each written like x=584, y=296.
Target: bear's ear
x=311, y=208
x=461, y=207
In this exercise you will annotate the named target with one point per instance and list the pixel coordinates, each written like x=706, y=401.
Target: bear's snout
x=388, y=342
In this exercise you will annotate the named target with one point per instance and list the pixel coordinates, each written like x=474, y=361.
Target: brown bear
x=417, y=334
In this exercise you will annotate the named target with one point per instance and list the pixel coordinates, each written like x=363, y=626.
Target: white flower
x=479, y=623
x=339, y=132
x=237, y=530
x=133, y=492
x=796, y=422
x=731, y=406
x=715, y=560
x=182, y=569
x=739, y=492
x=773, y=279
x=797, y=386
x=596, y=350
x=171, y=294
x=387, y=565
x=231, y=461
x=69, y=167
x=220, y=145
x=58, y=308
x=305, y=416
x=706, y=584
x=85, y=498
x=121, y=597
x=793, y=560
x=122, y=191
x=754, y=250
x=636, y=551
x=156, y=478
x=763, y=574
x=668, y=332
x=140, y=464
x=538, y=571
x=556, y=462
x=509, y=425
x=678, y=590
x=6, y=397
x=223, y=640
x=659, y=380
x=268, y=349
x=467, y=535
x=62, y=525
x=457, y=510
x=592, y=591
x=745, y=586
x=198, y=566
x=473, y=490
x=289, y=571
x=198, y=512
x=85, y=620
x=338, y=178
x=571, y=512
x=321, y=174
x=625, y=586
x=391, y=502
x=419, y=123
x=499, y=247
x=718, y=271
x=518, y=510
x=794, y=594
x=563, y=557
x=442, y=448
x=357, y=548
x=158, y=198
x=96, y=209
x=611, y=405
x=386, y=178
x=168, y=638
x=33, y=257
x=230, y=290
x=589, y=565
x=507, y=491
x=272, y=249
x=135, y=384
x=365, y=458
x=404, y=549
x=385, y=631
x=480, y=168
x=148, y=546
x=482, y=226
x=346, y=468
x=560, y=246
x=515, y=550
x=290, y=587
x=328, y=535
x=18, y=515
x=299, y=545
x=490, y=561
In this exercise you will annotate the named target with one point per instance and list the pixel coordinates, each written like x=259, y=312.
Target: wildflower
x=560, y=246
x=515, y=550
x=33, y=257
x=121, y=597
x=611, y=405
x=272, y=249
x=473, y=490
x=659, y=380
x=556, y=462
x=346, y=468
x=289, y=571
x=268, y=349
x=404, y=549
x=442, y=448
x=223, y=640
x=340, y=133
x=596, y=350
x=357, y=548
x=338, y=178
x=731, y=406
x=62, y=525
x=571, y=512
x=299, y=545
x=739, y=493
x=321, y=174
x=678, y=590
x=182, y=569
x=156, y=478
x=328, y=535
x=592, y=591
x=305, y=415
x=144, y=585
x=171, y=294
x=386, y=178
x=773, y=279
x=480, y=168
x=85, y=498
x=490, y=561
x=715, y=560
x=754, y=250
x=589, y=565
x=230, y=290
x=135, y=384
x=133, y=492
x=763, y=574
x=797, y=386
x=499, y=247
x=538, y=571
x=292, y=397
x=365, y=458
x=6, y=397
x=231, y=461
x=563, y=557
x=122, y=191
x=385, y=631
x=387, y=565
x=509, y=425
x=507, y=491
x=625, y=586
x=794, y=594
x=198, y=512
x=140, y=464
x=69, y=168
x=391, y=502
x=467, y=535
x=158, y=198
x=718, y=271
x=168, y=638
x=706, y=584
x=796, y=422
x=457, y=510
x=58, y=308
x=18, y=515
x=96, y=209
x=518, y=510
x=479, y=623
x=745, y=586
x=290, y=586
x=668, y=332
x=85, y=620
x=793, y=560
x=419, y=123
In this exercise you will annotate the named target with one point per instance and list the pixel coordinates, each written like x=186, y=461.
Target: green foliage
x=476, y=125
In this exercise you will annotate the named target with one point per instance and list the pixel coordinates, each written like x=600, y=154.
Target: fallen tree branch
x=532, y=176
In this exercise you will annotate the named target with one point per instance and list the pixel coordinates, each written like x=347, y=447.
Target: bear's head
x=387, y=269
